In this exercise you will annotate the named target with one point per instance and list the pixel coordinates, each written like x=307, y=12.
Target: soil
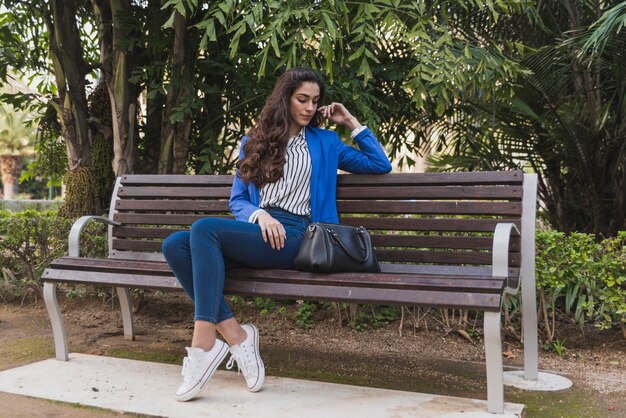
x=430, y=357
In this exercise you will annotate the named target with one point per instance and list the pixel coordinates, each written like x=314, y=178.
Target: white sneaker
x=198, y=367
x=248, y=359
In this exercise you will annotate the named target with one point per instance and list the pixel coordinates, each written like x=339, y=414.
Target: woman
x=286, y=178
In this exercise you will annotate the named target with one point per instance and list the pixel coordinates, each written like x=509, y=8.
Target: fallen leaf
x=508, y=354
x=465, y=335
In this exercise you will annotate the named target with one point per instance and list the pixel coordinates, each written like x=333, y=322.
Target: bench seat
x=411, y=289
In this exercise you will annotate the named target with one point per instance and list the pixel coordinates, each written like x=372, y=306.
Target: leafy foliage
x=483, y=85
x=584, y=279
x=396, y=64
x=388, y=60
x=17, y=132
x=30, y=240
x=564, y=118
x=50, y=161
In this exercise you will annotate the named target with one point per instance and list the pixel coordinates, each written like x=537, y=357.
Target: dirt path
x=430, y=361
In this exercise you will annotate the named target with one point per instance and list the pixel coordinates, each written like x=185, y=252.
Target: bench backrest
x=436, y=220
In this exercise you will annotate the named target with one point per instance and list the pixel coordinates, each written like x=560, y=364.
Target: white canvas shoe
x=248, y=359
x=198, y=367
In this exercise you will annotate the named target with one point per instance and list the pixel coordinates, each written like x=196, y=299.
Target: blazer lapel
x=315, y=152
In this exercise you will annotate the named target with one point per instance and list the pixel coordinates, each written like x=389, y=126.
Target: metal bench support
x=54, y=312
x=127, y=312
x=527, y=277
x=493, y=354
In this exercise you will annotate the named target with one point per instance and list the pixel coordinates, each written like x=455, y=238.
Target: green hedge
x=581, y=278
x=29, y=240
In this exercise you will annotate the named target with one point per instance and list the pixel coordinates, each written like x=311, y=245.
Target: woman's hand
x=272, y=230
x=337, y=113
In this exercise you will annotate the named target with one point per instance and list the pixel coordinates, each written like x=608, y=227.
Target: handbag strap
x=360, y=232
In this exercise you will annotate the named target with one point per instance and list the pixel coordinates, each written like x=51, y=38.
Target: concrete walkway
x=147, y=388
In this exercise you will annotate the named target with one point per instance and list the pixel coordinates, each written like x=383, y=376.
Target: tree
x=17, y=134
x=210, y=67
x=395, y=62
x=565, y=119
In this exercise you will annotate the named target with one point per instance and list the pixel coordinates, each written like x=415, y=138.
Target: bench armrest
x=500, y=255
x=74, y=238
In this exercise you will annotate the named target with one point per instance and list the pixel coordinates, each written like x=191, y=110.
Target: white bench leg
x=127, y=312
x=493, y=354
x=54, y=312
x=529, y=324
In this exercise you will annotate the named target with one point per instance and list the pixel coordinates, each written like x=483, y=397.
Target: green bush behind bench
x=578, y=278
x=581, y=278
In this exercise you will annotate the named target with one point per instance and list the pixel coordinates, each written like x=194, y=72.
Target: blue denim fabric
x=199, y=258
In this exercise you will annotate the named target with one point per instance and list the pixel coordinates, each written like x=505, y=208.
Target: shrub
x=582, y=278
x=29, y=240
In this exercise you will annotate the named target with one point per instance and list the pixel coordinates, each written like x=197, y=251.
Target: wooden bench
x=450, y=240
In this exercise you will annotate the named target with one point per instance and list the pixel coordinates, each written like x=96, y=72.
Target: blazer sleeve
x=241, y=202
x=370, y=158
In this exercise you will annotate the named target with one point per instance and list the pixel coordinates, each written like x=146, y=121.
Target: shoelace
x=243, y=363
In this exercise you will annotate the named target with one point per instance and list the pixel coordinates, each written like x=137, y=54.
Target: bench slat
x=427, y=224
x=430, y=208
x=134, y=255
x=180, y=180
x=174, y=192
x=109, y=264
x=144, y=232
x=405, y=192
x=389, y=240
x=178, y=205
x=460, y=300
x=429, y=241
x=373, y=280
x=442, y=269
x=441, y=257
x=112, y=279
x=136, y=245
x=424, y=179
x=431, y=192
x=380, y=242
x=397, y=256
x=344, y=206
x=161, y=218
x=394, y=224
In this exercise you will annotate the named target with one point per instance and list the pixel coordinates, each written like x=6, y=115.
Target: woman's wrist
x=352, y=123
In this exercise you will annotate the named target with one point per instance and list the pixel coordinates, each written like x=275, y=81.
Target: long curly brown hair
x=264, y=151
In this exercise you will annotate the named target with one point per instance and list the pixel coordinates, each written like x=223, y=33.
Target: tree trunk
x=123, y=105
x=175, y=135
x=152, y=135
x=10, y=167
x=70, y=70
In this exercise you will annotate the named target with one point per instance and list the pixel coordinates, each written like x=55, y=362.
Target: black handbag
x=331, y=248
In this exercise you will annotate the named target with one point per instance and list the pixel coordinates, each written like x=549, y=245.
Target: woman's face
x=303, y=105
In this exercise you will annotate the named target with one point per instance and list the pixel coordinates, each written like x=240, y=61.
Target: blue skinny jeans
x=199, y=257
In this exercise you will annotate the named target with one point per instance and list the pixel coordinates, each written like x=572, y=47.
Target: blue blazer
x=328, y=153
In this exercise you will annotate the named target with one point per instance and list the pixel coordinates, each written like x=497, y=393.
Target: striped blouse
x=292, y=192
